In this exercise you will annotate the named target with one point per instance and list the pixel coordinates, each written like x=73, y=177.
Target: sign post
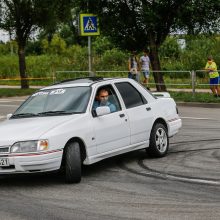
x=89, y=56
x=89, y=27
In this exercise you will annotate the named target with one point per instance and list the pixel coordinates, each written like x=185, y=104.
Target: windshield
x=55, y=102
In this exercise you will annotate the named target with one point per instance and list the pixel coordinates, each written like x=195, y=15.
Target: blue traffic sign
x=89, y=25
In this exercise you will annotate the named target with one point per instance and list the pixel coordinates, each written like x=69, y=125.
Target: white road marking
x=8, y=105
x=183, y=179
x=194, y=118
x=1, y=116
x=5, y=101
x=195, y=180
x=12, y=100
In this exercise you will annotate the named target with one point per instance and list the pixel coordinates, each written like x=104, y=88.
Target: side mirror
x=103, y=110
x=8, y=116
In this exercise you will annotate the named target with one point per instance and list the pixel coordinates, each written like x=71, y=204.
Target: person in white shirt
x=145, y=66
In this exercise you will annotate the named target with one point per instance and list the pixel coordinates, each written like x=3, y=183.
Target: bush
x=56, y=46
x=9, y=66
x=101, y=45
x=112, y=60
x=75, y=58
x=170, y=48
x=193, y=57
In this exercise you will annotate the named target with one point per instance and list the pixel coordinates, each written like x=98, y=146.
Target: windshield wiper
x=55, y=113
x=23, y=115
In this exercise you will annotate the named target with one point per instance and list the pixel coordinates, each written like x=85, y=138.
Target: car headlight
x=30, y=146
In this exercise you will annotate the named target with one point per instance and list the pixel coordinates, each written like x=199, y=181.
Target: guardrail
x=123, y=73
x=118, y=73
x=190, y=80
x=205, y=76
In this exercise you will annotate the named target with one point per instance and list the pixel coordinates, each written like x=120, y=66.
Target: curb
x=199, y=104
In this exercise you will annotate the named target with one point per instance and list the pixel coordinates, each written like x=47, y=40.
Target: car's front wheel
x=73, y=164
x=159, y=141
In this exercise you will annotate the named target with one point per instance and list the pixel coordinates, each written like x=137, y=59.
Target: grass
x=178, y=96
x=198, y=97
x=5, y=92
x=42, y=82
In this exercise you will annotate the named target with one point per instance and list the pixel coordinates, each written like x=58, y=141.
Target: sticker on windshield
x=58, y=92
x=40, y=93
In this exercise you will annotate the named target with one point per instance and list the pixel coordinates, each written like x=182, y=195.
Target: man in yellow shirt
x=211, y=68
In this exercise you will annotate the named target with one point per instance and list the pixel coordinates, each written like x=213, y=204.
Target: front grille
x=11, y=167
x=4, y=149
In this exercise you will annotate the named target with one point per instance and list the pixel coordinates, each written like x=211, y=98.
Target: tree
x=136, y=24
x=23, y=17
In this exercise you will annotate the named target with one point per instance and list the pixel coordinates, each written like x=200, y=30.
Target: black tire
x=159, y=141
x=73, y=165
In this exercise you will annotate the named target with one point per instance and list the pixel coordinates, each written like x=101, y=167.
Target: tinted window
x=130, y=95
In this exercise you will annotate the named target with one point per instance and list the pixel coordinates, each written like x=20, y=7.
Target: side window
x=106, y=96
x=130, y=95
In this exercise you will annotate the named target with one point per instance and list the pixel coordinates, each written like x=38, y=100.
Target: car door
x=138, y=110
x=112, y=131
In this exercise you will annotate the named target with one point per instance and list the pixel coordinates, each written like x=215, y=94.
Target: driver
x=102, y=100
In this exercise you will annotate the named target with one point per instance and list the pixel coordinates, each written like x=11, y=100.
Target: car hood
x=29, y=128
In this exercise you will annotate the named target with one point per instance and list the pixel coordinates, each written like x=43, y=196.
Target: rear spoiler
x=161, y=94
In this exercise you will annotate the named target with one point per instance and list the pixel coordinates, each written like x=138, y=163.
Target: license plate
x=4, y=162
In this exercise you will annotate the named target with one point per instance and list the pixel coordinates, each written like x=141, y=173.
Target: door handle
x=122, y=115
x=148, y=108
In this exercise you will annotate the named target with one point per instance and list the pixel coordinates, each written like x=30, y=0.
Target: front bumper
x=32, y=162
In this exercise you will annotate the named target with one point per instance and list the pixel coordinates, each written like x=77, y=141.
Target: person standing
x=133, y=67
x=211, y=68
x=145, y=66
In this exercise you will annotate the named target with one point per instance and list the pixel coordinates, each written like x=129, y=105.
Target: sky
x=4, y=36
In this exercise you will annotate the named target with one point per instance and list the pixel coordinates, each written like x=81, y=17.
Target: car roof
x=88, y=80
x=85, y=81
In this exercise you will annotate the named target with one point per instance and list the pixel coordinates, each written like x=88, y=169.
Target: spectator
x=133, y=67
x=102, y=100
x=211, y=68
x=145, y=66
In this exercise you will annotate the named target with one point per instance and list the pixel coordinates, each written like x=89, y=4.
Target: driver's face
x=103, y=95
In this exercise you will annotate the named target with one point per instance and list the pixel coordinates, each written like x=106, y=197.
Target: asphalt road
x=183, y=185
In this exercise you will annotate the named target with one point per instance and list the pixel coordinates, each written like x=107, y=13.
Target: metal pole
x=89, y=56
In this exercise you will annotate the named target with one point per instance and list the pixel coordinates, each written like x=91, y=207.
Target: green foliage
x=23, y=17
x=68, y=34
x=9, y=66
x=8, y=48
x=56, y=46
x=112, y=60
x=170, y=48
x=194, y=56
x=3, y=49
x=101, y=44
x=33, y=48
x=198, y=97
x=16, y=92
x=75, y=58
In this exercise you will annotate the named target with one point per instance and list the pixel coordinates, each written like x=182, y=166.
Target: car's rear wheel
x=73, y=163
x=159, y=141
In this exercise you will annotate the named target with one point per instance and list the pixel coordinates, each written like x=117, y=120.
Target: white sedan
x=65, y=125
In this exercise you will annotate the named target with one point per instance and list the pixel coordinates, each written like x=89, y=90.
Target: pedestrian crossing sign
x=89, y=25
